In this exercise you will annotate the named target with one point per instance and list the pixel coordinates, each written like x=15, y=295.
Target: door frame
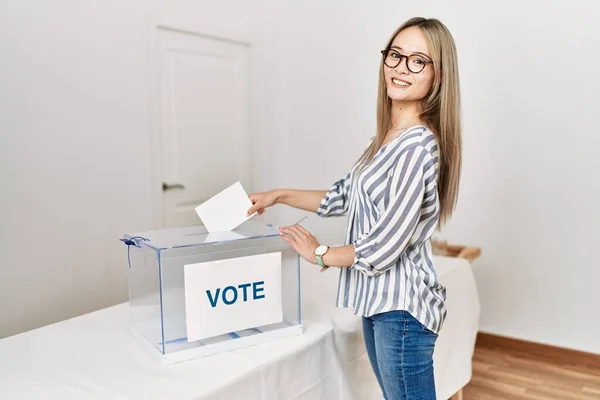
x=179, y=23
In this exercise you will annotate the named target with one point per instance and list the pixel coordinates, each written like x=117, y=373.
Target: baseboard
x=552, y=353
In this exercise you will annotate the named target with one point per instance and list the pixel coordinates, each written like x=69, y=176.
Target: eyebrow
x=417, y=52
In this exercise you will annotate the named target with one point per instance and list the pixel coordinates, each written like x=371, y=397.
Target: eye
x=394, y=54
x=419, y=61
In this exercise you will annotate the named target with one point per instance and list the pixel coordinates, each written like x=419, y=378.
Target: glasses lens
x=416, y=64
x=392, y=59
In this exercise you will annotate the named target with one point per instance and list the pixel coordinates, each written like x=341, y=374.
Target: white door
x=204, y=121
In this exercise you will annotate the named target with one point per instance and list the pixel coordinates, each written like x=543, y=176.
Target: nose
x=402, y=67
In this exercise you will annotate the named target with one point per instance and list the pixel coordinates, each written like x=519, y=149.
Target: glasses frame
x=402, y=56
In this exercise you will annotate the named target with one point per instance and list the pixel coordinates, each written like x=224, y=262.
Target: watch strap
x=320, y=261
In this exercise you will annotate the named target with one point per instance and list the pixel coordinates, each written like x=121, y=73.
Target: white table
x=95, y=357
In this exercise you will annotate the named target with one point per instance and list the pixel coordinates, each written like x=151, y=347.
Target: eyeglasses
x=415, y=63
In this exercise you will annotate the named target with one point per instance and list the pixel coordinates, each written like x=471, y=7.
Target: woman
x=402, y=188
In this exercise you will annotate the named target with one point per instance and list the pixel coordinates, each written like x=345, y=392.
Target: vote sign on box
x=229, y=295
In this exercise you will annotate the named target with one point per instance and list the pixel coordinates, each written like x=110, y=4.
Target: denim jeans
x=400, y=349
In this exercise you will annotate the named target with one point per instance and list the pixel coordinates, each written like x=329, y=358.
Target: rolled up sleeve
x=379, y=249
x=335, y=201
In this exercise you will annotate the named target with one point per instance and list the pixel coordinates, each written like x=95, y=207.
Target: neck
x=404, y=114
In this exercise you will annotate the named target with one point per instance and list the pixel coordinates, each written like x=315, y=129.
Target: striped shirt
x=393, y=209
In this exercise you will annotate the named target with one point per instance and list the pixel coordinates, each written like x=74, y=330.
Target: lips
x=400, y=83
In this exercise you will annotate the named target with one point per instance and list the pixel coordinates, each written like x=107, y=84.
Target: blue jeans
x=400, y=349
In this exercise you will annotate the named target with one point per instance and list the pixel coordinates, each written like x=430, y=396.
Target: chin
x=397, y=96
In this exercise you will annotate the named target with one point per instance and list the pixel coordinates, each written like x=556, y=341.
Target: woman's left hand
x=302, y=240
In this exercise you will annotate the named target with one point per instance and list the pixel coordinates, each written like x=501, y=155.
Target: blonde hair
x=440, y=110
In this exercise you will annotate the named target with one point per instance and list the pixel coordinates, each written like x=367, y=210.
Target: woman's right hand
x=262, y=200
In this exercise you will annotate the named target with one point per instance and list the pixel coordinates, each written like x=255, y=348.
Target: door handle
x=174, y=186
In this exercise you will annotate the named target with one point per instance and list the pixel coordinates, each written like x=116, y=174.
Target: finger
x=254, y=208
x=301, y=229
x=290, y=240
x=297, y=231
x=286, y=230
x=291, y=233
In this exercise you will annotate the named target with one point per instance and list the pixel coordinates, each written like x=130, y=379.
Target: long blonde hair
x=440, y=110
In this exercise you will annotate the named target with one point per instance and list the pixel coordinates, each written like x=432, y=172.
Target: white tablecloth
x=454, y=347
x=95, y=357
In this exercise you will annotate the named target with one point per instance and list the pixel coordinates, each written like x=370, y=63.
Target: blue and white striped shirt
x=393, y=209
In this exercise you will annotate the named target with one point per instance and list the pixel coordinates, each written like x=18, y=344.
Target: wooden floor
x=511, y=369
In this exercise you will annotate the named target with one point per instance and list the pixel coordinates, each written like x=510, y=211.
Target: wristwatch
x=319, y=253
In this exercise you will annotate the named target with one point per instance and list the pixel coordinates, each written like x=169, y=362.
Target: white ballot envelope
x=226, y=210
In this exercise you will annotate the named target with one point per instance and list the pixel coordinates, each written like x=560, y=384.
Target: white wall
x=529, y=194
x=75, y=145
x=74, y=150
x=530, y=191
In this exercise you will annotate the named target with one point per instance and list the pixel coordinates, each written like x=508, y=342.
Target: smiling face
x=401, y=83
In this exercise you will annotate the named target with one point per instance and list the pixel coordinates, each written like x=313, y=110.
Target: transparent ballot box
x=194, y=293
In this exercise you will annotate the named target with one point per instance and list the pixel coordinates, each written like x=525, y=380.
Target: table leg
x=458, y=395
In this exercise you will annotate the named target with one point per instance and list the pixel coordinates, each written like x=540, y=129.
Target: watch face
x=321, y=250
